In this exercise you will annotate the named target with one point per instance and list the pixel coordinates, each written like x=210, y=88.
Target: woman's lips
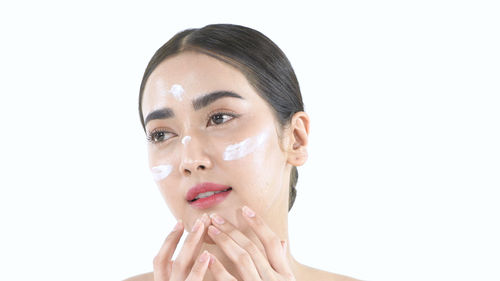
x=210, y=201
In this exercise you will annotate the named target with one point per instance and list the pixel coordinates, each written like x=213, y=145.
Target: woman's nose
x=193, y=159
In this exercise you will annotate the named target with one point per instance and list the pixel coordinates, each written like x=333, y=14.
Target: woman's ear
x=298, y=138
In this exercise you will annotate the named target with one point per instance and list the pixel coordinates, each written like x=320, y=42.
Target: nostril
x=201, y=167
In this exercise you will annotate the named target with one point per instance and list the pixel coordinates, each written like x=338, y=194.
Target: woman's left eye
x=221, y=117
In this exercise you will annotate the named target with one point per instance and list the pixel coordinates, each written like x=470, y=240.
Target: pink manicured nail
x=213, y=230
x=203, y=257
x=217, y=219
x=248, y=212
x=196, y=225
x=283, y=246
x=178, y=226
x=205, y=219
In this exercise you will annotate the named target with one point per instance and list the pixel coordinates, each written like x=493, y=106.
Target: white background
x=403, y=176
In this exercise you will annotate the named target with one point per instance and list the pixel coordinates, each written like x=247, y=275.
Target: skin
x=246, y=248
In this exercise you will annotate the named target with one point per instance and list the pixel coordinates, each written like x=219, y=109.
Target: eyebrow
x=162, y=113
x=198, y=104
x=209, y=98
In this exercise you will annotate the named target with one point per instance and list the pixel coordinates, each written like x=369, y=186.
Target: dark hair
x=261, y=61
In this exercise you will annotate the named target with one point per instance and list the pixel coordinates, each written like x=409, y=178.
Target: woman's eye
x=159, y=136
x=220, y=118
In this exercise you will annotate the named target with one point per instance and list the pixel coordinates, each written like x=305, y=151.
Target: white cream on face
x=185, y=140
x=177, y=91
x=243, y=148
x=160, y=172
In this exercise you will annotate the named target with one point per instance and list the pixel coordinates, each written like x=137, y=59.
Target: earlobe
x=298, y=139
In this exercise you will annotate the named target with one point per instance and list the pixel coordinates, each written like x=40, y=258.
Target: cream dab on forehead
x=160, y=172
x=243, y=148
x=177, y=91
x=185, y=140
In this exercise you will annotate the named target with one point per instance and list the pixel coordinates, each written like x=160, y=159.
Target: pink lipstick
x=206, y=195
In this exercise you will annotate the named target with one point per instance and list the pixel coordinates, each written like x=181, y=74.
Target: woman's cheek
x=268, y=182
x=161, y=164
x=161, y=172
x=245, y=147
x=171, y=194
x=254, y=168
x=162, y=175
x=162, y=169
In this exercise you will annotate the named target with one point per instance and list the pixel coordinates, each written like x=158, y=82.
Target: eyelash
x=152, y=136
x=231, y=114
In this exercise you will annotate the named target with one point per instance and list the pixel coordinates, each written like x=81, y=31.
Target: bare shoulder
x=141, y=277
x=316, y=274
x=309, y=274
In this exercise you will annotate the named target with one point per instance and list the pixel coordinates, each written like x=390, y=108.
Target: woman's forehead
x=185, y=77
x=193, y=70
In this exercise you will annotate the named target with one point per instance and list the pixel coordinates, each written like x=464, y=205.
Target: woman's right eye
x=157, y=136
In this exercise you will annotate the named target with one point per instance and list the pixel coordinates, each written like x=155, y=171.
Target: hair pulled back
x=261, y=61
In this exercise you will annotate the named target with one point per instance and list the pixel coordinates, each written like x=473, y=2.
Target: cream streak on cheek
x=243, y=148
x=160, y=172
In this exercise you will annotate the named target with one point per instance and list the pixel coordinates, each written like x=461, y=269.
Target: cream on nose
x=194, y=157
x=185, y=140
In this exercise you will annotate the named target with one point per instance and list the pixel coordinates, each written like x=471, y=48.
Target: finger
x=219, y=271
x=162, y=262
x=185, y=259
x=261, y=263
x=205, y=219
x=199, y=268
x=235, y=253
x=271, y=242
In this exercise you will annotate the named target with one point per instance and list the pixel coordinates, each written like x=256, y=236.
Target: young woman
x=223, y=114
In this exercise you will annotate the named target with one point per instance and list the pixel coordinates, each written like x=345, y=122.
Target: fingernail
x=213, y=230
x=205, y=219
x=196, y=225
x=248, y=212
x=283, y=246
x=203, y=256
x=178, y=226
x=217, y=219
x=212, y=260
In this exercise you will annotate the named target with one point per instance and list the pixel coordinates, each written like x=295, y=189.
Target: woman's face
x=229, y=139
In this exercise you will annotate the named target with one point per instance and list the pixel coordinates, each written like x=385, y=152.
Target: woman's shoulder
x=141, y=277
x=328, y=276
x=309, y=274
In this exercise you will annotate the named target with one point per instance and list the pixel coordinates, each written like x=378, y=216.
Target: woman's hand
x=251, y=263
x=187, y=266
